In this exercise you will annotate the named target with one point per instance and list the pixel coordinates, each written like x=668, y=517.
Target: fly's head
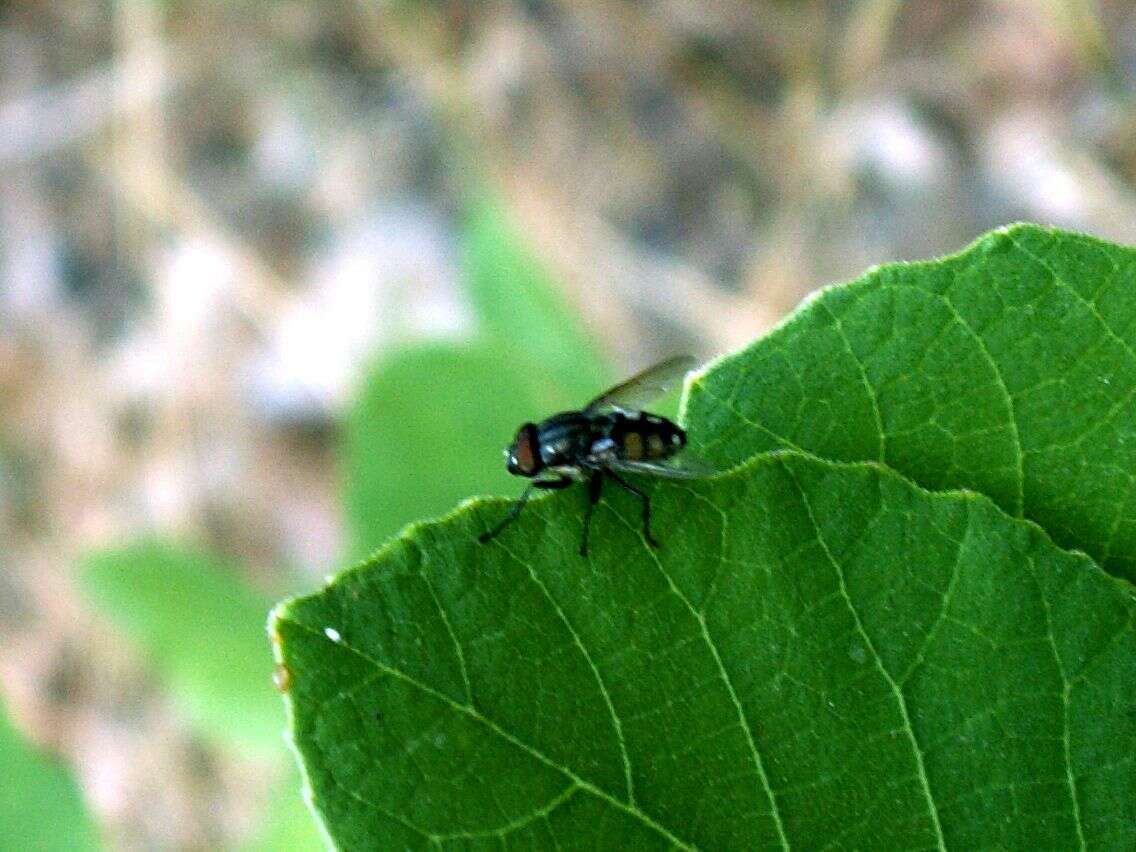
x=522, y=458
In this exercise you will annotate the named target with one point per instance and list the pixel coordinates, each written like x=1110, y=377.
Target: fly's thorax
x=565, y=438
x=639, y=436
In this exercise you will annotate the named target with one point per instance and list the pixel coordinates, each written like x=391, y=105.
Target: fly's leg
x=515, y=512
x=595, y=486
x=642, y=495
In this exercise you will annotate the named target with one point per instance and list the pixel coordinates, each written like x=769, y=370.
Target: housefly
x=609, y=436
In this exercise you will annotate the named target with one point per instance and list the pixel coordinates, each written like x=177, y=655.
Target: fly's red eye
x=525, y=450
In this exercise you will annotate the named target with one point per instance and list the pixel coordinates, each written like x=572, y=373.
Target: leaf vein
x=446, y=622
x=579, y=642
x=895, y=688
x=871, y=391
x=956, y=569
x=1066, y=687
x=1019, y=458
x=516, y=825
x=742, y=719
x=515, y=741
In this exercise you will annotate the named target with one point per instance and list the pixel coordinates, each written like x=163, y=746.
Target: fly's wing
x=682, y=466
x=640, y=389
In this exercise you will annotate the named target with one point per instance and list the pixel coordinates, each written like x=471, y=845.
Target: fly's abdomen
x=646, y=437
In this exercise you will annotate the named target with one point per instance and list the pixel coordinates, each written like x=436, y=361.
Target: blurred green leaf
x=40, y=804
x=1009, y=369
x=519, y=308
x=428, y=430
x=201, y=628
x=431, y=420
x=288, y=825
x=818, y=653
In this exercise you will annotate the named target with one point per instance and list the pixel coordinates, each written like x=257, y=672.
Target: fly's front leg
x=595, y=486
x=642, y=495
x=515, y=512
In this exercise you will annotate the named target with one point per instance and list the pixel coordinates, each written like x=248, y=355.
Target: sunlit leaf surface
x=821, y=654
x=1008, y=369
x=817, y=653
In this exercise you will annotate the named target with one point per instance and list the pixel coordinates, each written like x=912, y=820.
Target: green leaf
x=287, y=825
x=818, y=653
x=519, y=308
x=431, y=420
x=202, y=630
x=40, y=804
x=421, y=435
x=822, y=652
x=1009, y=369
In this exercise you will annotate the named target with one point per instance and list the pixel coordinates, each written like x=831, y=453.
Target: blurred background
x=277, y=278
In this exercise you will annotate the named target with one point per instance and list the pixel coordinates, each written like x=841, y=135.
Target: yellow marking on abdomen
x=633, y=446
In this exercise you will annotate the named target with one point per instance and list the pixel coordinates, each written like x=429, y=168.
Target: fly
x=609, y=436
